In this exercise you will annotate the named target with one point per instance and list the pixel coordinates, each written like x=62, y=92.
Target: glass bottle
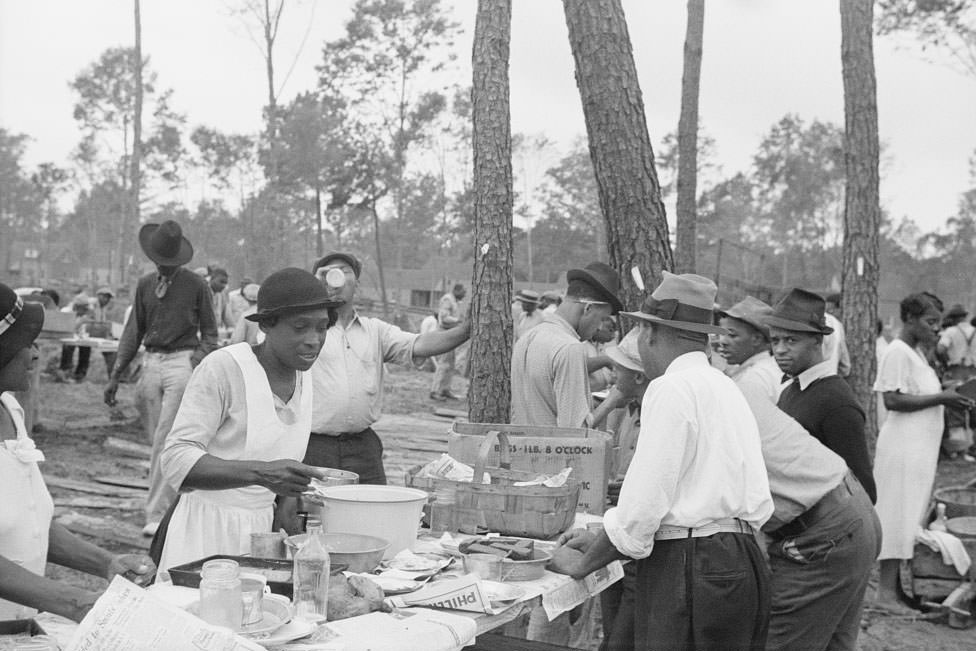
x=221, y=603
x=311, y=576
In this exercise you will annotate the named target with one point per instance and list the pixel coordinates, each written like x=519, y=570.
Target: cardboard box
x=546, y=450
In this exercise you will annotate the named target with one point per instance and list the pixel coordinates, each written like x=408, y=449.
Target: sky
x=762, y=59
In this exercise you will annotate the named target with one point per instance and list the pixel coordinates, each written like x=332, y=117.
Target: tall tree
x=491, y=288
x=687, y=217
x=135, y=177
x=862, y=207
x=623, y=160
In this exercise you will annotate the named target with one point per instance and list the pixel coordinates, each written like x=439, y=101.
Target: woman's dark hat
x=800, y=311
x=683, y=302
x=20, y=323
x=291, y=290
x=165, y=245
x=601, y=277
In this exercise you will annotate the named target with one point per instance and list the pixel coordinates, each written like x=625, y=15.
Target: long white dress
x=26, y=507
x=204, y=522
x=908, y=450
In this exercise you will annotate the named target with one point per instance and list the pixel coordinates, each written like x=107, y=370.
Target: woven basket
x=475, y=507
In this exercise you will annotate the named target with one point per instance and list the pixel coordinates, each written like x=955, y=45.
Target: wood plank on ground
x=139, y=483
x=96, y=502
x=447, y=412
x=107, y=528
x=127, y=448
x=91, y=487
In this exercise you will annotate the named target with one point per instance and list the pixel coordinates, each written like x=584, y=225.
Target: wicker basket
x=475, y=507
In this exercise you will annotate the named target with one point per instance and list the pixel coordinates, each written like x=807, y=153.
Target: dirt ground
x=74, y=425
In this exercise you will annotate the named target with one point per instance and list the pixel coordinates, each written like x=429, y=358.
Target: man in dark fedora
x=173, y=317
x=817, y=397
x=693, y=496
x=550, y=383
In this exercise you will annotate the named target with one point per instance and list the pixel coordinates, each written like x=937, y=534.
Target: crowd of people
x=746, y=497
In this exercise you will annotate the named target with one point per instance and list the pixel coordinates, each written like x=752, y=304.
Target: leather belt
x=166, y=351
x=341, y=435
x=725, y=525
x=835, y=497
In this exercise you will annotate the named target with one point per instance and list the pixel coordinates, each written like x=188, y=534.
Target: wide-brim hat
x=626, y=353
x=20, y=323
x=683, y=302
x=957, y=310
x=601, y=277
x=250, y=292
x=348, y=258
x=751, y=311
x=291, y=290
x=528, y=296
x=164, y=244
x=800, y=311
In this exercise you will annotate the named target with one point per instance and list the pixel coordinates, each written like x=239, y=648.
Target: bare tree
x=491, y=337
x=685, y=257
x=135, y=177
x=862, y=208
x=623, y=160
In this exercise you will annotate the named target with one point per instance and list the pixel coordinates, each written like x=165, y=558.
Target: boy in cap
x=242, y=428
x=694, y=494
x=745, y=346
x=550, y=379
x=172, y=316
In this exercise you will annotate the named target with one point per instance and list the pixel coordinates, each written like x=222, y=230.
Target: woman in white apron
x=28, y=537
x=243, y=426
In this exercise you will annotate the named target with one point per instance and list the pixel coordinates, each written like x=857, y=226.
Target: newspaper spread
x=572, y=593
x=462, y=593
x=415, y=628
x=127, y=617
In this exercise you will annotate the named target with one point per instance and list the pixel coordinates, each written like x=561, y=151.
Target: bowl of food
x=358, y=552
x=520, y=560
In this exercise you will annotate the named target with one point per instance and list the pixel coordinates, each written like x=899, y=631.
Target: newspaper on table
x=462, y=593
x=567, y=596
x=414, y=628
x=127, y=617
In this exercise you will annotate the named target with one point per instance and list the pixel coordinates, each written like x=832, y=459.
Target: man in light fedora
x=530, y=316
x=173, y=317
x=550, y=383
x=693, y=496
x=817, y=397
x=745, y=346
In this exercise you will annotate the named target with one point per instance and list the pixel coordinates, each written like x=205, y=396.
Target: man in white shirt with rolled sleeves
x=348, y=376
x=695, y=492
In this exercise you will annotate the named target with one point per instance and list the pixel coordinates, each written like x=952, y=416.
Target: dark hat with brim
x=957, y=310
x=291, y=290
x=800, y=311
x=683, y=302
x=601, y=277
x=20, y=323
x=165, y=245
x=750, y=311
x=348, y=258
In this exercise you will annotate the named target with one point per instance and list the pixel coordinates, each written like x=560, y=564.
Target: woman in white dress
x=29, y=538
x=908, y=444
x=243, y=425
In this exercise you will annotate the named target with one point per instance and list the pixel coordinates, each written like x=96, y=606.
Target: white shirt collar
x=761, y=356
x=815, y=372
x=687, y=361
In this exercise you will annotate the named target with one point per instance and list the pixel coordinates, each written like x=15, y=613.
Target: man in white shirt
x=449, y=316
x=694, y=494
x=348, y=377
x=745, y=346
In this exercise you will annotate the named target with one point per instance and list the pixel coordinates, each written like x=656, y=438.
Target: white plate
x=502, y=593
x=419, y=563
x=277, y=614
x=293, y=630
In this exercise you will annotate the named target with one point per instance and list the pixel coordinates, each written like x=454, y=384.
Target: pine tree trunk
x=620, y=148
x=862, y=208
x=686, y=249
x=135, y=177
x=491, y=293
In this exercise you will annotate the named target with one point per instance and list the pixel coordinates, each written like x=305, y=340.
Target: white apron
x=26, y=507
x=205, y=523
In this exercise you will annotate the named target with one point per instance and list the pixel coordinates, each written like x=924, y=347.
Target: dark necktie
x=162, y=284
